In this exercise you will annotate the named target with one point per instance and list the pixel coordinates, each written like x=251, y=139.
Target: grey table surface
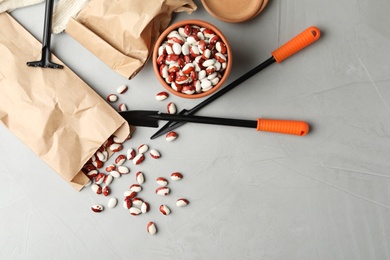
x=252, y=195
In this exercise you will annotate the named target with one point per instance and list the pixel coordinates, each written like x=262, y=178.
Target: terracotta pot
x=162, y=39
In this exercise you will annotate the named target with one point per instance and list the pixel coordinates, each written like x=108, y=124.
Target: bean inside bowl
x=192, y=59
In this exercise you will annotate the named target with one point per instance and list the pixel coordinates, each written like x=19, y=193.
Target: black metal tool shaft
x=205, y=120
x=171, y=125
x=45, y=61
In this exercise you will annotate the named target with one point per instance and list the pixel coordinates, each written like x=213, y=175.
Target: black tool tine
x=45, y=61
x=169, y=126
x=140, y=118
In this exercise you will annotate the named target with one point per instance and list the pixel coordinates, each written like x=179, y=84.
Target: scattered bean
x=115, y=174
x=122, y=107
x=96, y=188
x=139, y=176
x=135, y=187
x=145, y=207
x=155, y=154
x=97, y=208
x=130, y=154
x=143, y=148
x=108, y=179
x=99, y=178
x=120, y=159
x=171, y=108
x=112, y=202
x=162, y=95
x=182, y=202
x=106, y=191
x=123, y=169
x=130, y=194
x=92, y=174
x=110, y=168
x=138, y=159
x=162, y=191
x=137, y=202
x=171, y=136
x=135, y=211
x=165, y=210
x=98, y=164
x=122, y=89
x=162, y=181
x=151, y=228
x=116, y=147
x=127, y=203
x=176, y=176
x=112, y=98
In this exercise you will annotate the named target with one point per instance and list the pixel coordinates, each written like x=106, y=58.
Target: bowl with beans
x=192, y=59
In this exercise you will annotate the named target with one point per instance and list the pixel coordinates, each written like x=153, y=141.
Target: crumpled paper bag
x=52, y=111
x=122, y=33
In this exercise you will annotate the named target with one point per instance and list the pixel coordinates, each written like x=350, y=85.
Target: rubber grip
x=296, y=44
x=282, y=126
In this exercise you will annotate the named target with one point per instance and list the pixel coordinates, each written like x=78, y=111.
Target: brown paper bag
x=122, y=33
x=52, y=111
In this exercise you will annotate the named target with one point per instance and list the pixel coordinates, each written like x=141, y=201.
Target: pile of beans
x=101, y=176
x=192, y=59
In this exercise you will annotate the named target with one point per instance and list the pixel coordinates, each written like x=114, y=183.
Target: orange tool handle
x=282, y=126
x=296, y=44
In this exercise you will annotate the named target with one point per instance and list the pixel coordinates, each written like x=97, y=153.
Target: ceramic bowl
x=185, y=89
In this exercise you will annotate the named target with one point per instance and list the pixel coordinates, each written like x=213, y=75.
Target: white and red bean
x=130, y=154
x=155, y=154
x=162, y=191
x=115, y=174
x=116, y=147
x=123, y=169
x=162, y=95
x=139, y=158
x=151, y=228
x=106, y=191
x=135, y=187
x=137, y=202
x=182, y=202
x=122, y=89
x=135, y=211
x=139, y=176
x=110, y=168
x=112, y=98
x=165, y=210
x=96, y=188
x=99, y=178
x=171, y=108
x=112, y=202
x=162, y=181
x=122, y=107
x=145, y=207
x=130, y=194
x=120, y=159
x=127, y=203
x=108, y=179
x=97, y=208
x=171, y=136
x=175, y=176
x=143, y=148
